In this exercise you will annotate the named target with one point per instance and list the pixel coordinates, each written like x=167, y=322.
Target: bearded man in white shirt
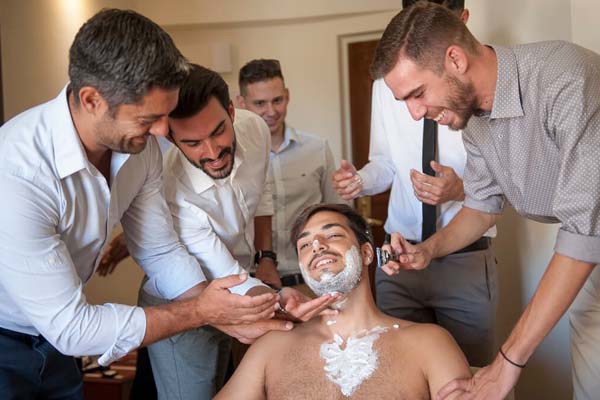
x=458, y=291
x=301, y=163
x=71, y=170
x=215, y=186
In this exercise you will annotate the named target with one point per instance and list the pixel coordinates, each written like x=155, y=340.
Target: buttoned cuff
x=174, y=281
x=491, y=205
x=248, y=284
x=578, y=247
x=130, y=329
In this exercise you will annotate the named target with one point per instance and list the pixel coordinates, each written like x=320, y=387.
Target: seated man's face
x=207, y=139
x=329, y=254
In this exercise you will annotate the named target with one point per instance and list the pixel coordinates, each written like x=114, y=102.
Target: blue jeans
x=31, y=368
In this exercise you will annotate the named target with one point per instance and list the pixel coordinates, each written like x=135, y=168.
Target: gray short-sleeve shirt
x=539, y=147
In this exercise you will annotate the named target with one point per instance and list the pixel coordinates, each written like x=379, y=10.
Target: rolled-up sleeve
x=202, y=242
x=152, y=241
x=482, y=192
x=378, y=173
x=574, y=117
x=265, y=205
x=39, y=277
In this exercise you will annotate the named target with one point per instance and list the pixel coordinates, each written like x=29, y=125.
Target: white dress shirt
x=215, y=217
x=397, y=147
x=56, y=218
x=301, y=169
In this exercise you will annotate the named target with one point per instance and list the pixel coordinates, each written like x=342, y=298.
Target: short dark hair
x=200, y=86
x=124, y=55
x=422, y=32
x=454, y=5
x=356, y=222
x=258, y=71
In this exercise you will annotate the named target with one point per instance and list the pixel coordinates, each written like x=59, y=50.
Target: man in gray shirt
x=533, y=141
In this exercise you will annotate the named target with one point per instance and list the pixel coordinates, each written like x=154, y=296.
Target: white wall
x=36, y=36
x=308, y=52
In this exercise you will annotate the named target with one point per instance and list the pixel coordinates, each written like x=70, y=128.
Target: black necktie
x=429, y=154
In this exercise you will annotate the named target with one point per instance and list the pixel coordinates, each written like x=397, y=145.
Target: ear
x=456, y=60
x=231, y=111
x=287, y=94
x=92, y=101
x=464, y=16
x=241, y=101
x=366, y=252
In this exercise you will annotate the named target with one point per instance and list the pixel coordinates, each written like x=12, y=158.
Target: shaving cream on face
x=356, y=362
x=344, y=281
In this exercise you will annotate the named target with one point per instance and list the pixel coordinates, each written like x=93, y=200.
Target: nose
x=416, y=109
x=270, y=110
x=317, y=245
x=212, y=150
x=160, y=127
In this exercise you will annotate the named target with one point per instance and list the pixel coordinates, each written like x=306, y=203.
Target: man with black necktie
x=424, y=171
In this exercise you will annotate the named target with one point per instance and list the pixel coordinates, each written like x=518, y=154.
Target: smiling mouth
x=322, y=264
x=440, y=116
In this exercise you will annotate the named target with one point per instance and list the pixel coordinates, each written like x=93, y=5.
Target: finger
x=345, y=165
x=390, y=268
x=451, y=387
x=426, y=200
x=229, y=281
x=396, y=241
x=306, y=311
x=439, y=168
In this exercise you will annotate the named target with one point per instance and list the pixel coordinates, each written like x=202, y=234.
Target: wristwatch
x=265, y=253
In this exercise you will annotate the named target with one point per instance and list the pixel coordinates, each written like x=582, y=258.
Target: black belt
x=481, y=244
x=292, y=280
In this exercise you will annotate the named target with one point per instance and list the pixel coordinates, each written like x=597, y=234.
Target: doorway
x=356, y=55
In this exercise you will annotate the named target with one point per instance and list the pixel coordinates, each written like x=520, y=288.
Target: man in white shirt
x=301, y=163
x=215, y=186
x=458, y=291
x=72, y=169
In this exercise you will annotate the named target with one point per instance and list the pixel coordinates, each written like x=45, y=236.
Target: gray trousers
x=585, y=340
x=190, y=365
x=457, y=292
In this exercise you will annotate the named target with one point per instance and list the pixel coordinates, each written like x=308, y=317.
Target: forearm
x=558, y=288
x=465, y=228
x=262, y=233
x=169, y=319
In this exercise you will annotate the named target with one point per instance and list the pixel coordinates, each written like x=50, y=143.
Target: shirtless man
x=360, y=353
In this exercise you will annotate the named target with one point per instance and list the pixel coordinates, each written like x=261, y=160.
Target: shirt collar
x=289, y=136
x=507, y=99
x=69, y=154
x=199, y=179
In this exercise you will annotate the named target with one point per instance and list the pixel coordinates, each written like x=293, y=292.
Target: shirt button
x=499, y=136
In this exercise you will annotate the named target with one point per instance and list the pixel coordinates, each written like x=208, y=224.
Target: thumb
x=230, y=281
x=275, y=325
x=347, y=166
x=437, y=167
x=451, y=387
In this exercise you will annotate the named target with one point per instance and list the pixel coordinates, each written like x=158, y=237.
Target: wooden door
x=360, y=55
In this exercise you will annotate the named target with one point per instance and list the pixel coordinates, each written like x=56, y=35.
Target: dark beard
x=223, y=172
x=462, y=101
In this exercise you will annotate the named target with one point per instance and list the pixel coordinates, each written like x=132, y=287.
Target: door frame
x=343, y=42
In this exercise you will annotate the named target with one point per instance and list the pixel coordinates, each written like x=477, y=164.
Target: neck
x=485, y=74
x=357, y=312
x=277, y=138
x=96, y=153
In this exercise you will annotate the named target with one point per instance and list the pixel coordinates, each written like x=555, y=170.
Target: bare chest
x=300, y=374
